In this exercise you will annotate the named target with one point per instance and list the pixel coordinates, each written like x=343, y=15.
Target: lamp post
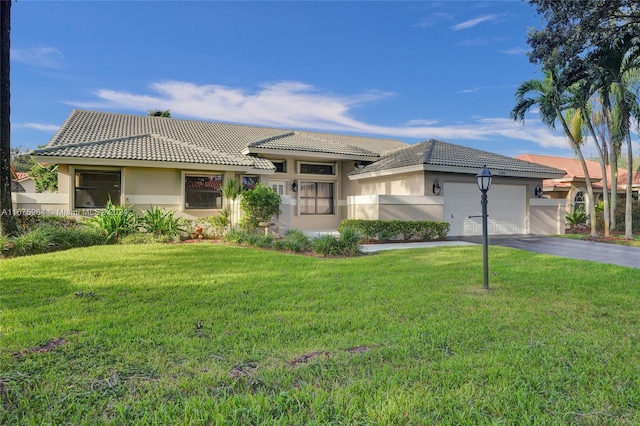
x=484, y=178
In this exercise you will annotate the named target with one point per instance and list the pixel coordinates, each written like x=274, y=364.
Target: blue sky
x=406, y=70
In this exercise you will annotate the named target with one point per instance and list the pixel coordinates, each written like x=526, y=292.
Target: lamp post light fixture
x=484, y=183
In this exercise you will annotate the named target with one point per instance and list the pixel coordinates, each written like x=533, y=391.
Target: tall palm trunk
x=628, y=213
x=7, y=221
x=603, y=168
x=587, y=178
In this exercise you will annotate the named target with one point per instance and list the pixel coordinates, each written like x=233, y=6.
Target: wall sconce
x=294, y=186
x=436, y=187
x=538, y=191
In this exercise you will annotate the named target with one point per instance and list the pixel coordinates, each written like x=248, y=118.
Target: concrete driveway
x=574, y=249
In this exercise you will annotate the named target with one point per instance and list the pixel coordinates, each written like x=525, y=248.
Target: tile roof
x=573, y=169
x=438, y=153
x=92, y=134
x=332, y=144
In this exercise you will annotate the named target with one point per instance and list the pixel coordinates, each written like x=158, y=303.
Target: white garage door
x=506, y=209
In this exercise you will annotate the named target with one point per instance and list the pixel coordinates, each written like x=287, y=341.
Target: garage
x=506, y=209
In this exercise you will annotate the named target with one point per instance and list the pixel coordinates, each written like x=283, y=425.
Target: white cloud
x=519, y=51
x=433, y=19
x=51, y=128
x=47, y=57
x=298, y=105
x=473, y=22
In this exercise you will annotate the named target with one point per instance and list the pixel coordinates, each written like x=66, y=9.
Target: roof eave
x=455, y=169
x=309, y=154
x=47, y=160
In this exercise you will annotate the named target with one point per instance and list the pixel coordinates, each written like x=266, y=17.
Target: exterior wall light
x=436, y=187
x=294, y=186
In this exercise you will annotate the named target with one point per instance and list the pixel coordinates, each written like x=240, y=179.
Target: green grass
x=615, y=239
x=213, y=334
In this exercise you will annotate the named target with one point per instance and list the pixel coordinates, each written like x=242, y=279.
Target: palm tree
x=618, y=62
x=551, y=97
x=582, y=105
x=7, y=221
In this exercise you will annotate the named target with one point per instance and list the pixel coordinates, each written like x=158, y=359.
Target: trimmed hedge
x=394, y=230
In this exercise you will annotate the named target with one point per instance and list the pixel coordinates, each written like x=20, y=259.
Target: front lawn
x=213, y=334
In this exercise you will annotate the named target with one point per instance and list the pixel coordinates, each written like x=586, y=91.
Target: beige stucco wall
x=400, y=184
x=546, y=216
x=395, y=207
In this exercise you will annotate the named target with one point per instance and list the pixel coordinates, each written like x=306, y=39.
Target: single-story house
x=572, y=187
x=323, y=178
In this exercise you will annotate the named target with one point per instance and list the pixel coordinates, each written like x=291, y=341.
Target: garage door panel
x=506, y=209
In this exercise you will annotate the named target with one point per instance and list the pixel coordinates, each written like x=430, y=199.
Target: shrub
x=619, y=213
x=349, y=242
x=259, y=205
x=79, y=236
x=236, y=236
x=347, y=245
x=36, y=241
x=146, y=238
x=325, y=245
x=160, y=222
x=221, y=222
x=576, y=218
x=6, y=245
x=406, y=230
x=265, y=241
x=114, y=222
x=294, y=240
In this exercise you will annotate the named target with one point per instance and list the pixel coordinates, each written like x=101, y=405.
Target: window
x=281, y=166
x=316, y=197
x=249, y=182
x=278, y=187
x=579, y=202
x=93, y=188
x=203, y=192
x=317, y=169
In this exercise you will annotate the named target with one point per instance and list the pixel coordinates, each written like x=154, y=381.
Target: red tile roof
x=575, y=172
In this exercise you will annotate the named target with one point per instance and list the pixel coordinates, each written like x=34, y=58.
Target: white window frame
x=280, y=184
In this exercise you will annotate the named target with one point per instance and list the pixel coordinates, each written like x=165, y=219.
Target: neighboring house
x=22, y=182
x=323, y=178
x=572, y=186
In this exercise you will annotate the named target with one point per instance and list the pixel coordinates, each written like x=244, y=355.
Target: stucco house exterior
x=323, y=178
x=572, y=186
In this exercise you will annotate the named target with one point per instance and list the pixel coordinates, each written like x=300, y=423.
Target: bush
x=325, y=245
x=347, y=245
x=221, y=222
x=576, y=218
x=160, y=222
x=294, y=240
x=146, y=238
x=259, y=205
x=620, y=215
x=114, y=222
x=349, y=242
x=236, y=236
x=36, y=241
x=391, y=230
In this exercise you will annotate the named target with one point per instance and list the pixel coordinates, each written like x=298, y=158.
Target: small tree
x=46, y=178
x=231, y=190
x=259, y=205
